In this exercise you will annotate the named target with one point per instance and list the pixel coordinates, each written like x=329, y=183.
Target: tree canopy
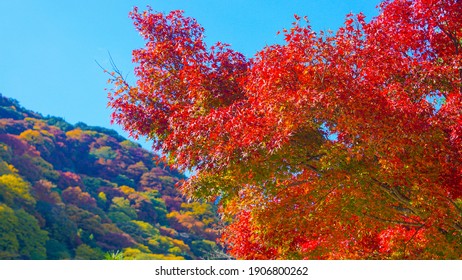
x=330, y=146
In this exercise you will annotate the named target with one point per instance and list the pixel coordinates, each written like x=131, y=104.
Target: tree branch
x=398, y=196
x=404, y=223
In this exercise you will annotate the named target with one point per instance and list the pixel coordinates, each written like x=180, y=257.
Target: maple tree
x=331, y=146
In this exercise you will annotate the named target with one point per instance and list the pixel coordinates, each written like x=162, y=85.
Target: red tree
x=344, y=145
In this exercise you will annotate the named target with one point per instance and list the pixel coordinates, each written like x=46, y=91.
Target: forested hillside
x=81, y=192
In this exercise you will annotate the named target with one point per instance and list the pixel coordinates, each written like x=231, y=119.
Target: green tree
x=20, y=235
x=56, y=250
x=104, y=152
x=9, y=245
x=31, y=238
x=123, y=205
x=85, y=252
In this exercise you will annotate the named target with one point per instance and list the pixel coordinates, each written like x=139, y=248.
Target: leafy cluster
x=80, y=192
x=333, y=145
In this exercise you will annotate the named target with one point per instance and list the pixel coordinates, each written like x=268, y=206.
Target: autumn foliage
x=331, y=146
x=80, y=192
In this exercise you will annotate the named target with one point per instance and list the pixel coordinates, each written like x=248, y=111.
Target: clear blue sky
x=48, y=48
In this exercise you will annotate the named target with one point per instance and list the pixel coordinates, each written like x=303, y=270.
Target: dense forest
x=82, y=192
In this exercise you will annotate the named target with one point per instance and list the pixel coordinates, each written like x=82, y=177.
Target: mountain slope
x=81, y=192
